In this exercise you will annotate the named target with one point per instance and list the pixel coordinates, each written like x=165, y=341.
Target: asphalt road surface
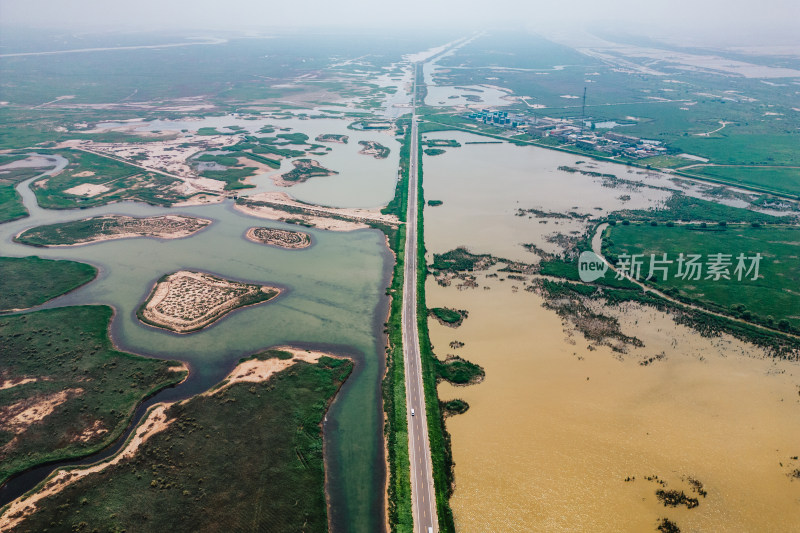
x=422, y=491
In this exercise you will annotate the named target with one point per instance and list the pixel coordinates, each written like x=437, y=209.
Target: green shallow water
x=335, y=298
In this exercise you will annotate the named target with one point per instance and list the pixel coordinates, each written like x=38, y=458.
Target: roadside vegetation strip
x=110, y=227
x=397, y=206
x=439, y=438
x=264, y=433
x=26, y=282
x=66, y=392
x=400, y=517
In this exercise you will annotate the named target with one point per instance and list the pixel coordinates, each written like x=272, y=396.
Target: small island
x=304, y=169
x=282, y=238
x=110, y=227
x=187, y=301
x=332, y=138
x=450, y=143
x=374, y=148
x=448, y=317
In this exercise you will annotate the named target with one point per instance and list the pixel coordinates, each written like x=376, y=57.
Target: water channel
x=335, y=301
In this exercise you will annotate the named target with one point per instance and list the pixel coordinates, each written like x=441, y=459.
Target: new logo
x=591, y=266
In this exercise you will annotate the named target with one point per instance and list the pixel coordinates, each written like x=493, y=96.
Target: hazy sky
x=733, y=19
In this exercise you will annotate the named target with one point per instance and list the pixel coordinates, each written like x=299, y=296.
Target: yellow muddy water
x=484, y=185
x=556, y=427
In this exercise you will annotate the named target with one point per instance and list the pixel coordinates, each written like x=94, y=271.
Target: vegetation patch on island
x=262, y=429
x=374, y=148
x=665, y=525
x=332, y=138
x=438, y=143
x=64, y=390
x=187, y=301
x=449, y=317
x=283, y=238
x=461, y=259
x=458, y=371
x=454, y=407
x=674, y=498
x=30, y=281
x=574, y=303
x=110, y=227
x=304, y=170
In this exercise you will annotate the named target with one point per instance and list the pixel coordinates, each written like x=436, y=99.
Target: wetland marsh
x=560, y=422
x=323, y=306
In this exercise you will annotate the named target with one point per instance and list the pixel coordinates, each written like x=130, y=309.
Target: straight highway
x=423, y=495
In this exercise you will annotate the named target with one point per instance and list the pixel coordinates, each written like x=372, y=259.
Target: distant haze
x=697, y=21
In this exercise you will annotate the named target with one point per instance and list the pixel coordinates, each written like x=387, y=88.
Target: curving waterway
x=335, y=300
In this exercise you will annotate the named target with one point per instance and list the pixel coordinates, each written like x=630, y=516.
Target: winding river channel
x=335, y=300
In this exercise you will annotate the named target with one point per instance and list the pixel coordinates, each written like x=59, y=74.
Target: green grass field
x=744, y=148
x=67, y=351
x=248, y=458
x=772, y=298
x=11, y=207
x=29, y=281
x=775, y=179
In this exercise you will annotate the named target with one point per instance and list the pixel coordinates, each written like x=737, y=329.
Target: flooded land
x=212, y=299
x=320, y=307
x=565, y=434
x=358, y=180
